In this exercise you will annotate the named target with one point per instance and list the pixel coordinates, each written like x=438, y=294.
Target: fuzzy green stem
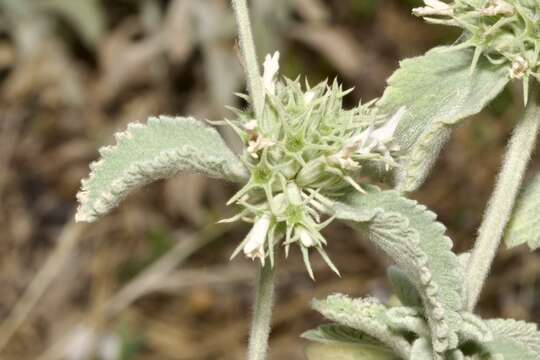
x=249, y=55
x=500, y=205
x=264, y=295
x=262, y=313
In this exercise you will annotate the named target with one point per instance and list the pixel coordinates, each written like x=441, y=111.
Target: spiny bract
x=505, y=31
x=303, y=149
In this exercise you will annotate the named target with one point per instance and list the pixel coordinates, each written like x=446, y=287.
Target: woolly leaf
x=474, y=329
x=524, y=226
x=407, y=320
x=365, y=315
x=403, y=287
x=509, y=349
x=347, y=351
x=409, y=234
x=144, y=153
x=438, y=91
x=421, y=350
x=525, y=334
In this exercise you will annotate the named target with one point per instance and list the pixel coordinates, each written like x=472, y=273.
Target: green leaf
x=403, y=287
x=403, y=319
x=144, y=153
x=410, y=235
x=474, y=329
x=366, y=315
x=525, y=334
x=510, y=349
x=438, y=91
x=347, y=351
x=524, y=225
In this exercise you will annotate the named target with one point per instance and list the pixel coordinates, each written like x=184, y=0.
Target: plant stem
x=500, y=205
x=264, y=293
x=249, y=55
x=262, y=313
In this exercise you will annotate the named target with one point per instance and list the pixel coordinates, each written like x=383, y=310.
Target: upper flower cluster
x=303, y=149
x=505, y=31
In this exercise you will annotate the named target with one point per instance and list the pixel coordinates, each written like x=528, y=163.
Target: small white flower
x=433, y=7
x=519, y=68
x=498, y=7
x=343, y=159
x=254, y=246
x=305, y=237
x=250, y=126
x=271, y=69
x=260, y=142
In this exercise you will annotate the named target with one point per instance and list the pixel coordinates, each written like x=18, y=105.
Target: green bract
x=504, y=31
x=304, y=147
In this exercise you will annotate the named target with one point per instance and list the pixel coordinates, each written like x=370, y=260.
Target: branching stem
x=500, y=205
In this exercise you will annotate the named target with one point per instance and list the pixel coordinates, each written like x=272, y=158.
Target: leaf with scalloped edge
x=409, y=233
x=524, y=225
x=525, y=334
x=366, y=315
x=159, y=149
x=438, y=91
x=404, y=319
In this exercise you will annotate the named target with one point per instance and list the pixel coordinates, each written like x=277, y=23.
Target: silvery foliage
x=303, y=151
x=500, y=42
x=366, y=329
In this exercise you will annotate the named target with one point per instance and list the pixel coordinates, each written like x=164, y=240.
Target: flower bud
x=254, y=246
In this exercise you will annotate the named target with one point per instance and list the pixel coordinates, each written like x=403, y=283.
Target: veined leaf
x=410, y=235
x=144, y=153
x=525, y=334
x=366, y=315
x=438, y=91
x=524, y=225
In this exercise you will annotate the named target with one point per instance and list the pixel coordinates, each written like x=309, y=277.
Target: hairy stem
x=264, y=296
x=262, y=313
x=247, y=46
x=500, y=205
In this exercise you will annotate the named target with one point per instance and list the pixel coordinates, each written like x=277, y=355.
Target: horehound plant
x=308, y=161
x=303, y=151
x=431, y=316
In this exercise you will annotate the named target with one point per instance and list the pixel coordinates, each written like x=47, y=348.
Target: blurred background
x=152, y=280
